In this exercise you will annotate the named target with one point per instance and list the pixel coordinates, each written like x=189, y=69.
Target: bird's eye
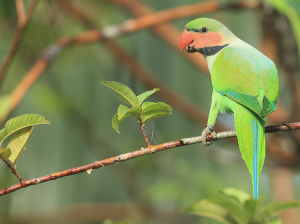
x=187, y=29
x=204, y=29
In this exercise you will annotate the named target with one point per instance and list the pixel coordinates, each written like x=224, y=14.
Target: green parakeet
x=245, y=83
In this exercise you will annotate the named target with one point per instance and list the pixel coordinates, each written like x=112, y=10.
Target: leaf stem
x=13, y=171
x=144, y=133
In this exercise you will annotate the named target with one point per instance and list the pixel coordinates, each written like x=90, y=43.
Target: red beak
x=185, y=39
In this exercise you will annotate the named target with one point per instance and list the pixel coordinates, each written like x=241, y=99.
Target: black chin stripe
x=208, y=51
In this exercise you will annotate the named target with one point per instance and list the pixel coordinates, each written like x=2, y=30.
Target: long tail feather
x=250, y=130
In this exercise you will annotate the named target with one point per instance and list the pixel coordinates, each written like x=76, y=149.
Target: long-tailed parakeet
x=245, y=83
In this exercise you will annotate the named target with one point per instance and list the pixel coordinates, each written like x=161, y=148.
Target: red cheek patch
x=207, y=40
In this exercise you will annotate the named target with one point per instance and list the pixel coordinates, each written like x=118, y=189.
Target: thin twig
x=22, y=23
x=13, y=171
x=141, y=152
x=144, y=133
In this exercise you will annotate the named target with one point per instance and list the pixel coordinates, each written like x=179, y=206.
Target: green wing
x=248, y=77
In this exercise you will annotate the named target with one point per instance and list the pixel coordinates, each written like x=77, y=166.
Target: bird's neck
x=210, y=58
x=213, y=52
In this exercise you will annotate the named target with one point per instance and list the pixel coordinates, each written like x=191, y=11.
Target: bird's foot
x=206, y=132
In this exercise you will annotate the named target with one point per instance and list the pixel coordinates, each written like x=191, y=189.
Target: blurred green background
x=148, y=189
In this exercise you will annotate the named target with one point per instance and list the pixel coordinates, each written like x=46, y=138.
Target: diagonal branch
x=96, y=35
x=141, y=152
x=183, y=104
x=167, y=15
x=20, y=8
x=155, y=20
x=22, y=23
x=170, y=33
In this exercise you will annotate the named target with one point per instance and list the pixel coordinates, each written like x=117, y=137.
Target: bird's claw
x=206, y=132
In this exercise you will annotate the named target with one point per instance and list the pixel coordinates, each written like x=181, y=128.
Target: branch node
x=51, y=52
x=111, y=31
x=38, y=181
x=286, y=125
x=215, y=136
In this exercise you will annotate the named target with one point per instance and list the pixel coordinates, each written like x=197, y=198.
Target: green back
x=246, y=76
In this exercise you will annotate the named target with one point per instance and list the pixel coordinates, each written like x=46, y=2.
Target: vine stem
x=141, y=152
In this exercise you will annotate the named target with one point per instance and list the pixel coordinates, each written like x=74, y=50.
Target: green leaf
x=5, y=154
x=122, y=110
x=17, y=143
x=257, y=218
x=116, y=123
x=234, y=209
x=154, y=114
x=157, y=106
x=275, y=208
x=134, y=111
x=251, y=207
x=209, y=208
x=278, y=221
x=237, y=194
x=145, y=95
x=20, y=122
x=146, y=104
x=124, y=93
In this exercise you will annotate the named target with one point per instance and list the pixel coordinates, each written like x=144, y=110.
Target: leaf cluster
x=239, y=208
x=20, y=129
x=142, y=111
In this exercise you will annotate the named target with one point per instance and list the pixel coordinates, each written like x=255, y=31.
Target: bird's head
x=203, y=32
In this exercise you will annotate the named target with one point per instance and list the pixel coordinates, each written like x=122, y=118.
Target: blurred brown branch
x=170, y=33
x=184, y=105
x=20, y=12
x=27, y=81
x=161, y=17
x=141, y=73
x=126, y=59
x=23, y=19
x=141, y=152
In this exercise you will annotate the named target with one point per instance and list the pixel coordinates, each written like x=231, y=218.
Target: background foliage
x=153, y=188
